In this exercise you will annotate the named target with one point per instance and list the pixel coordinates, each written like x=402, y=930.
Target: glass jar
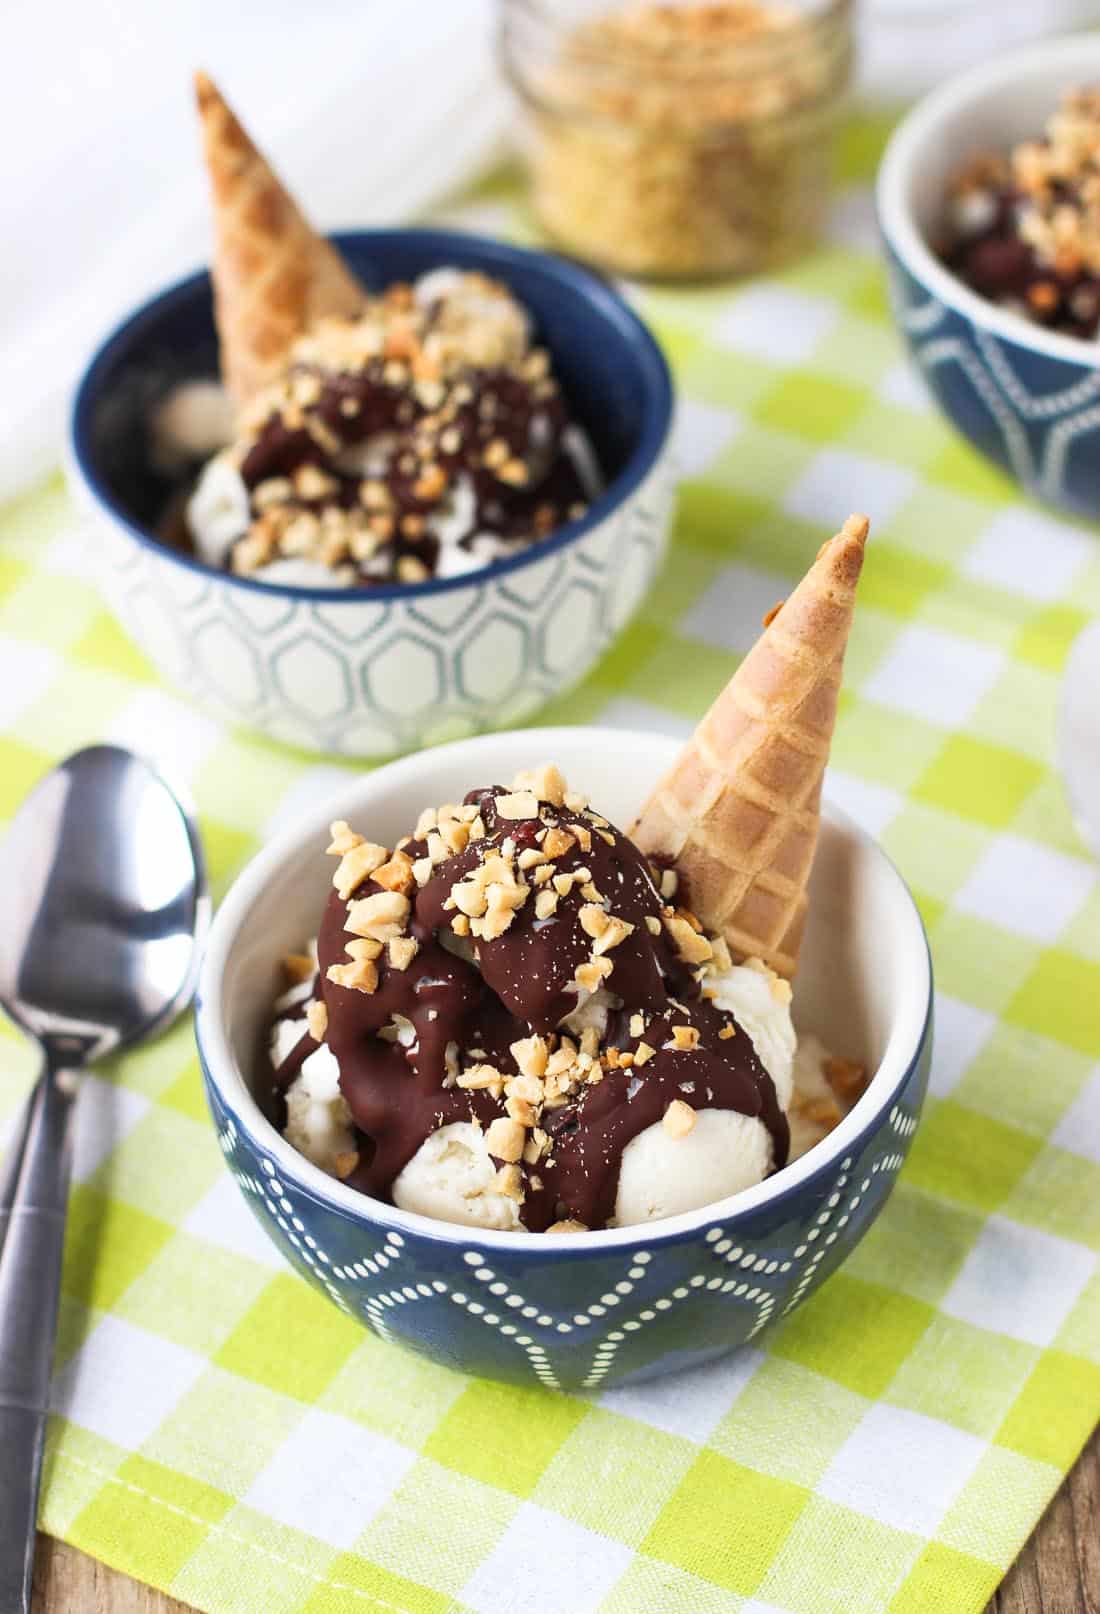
x=679, y=140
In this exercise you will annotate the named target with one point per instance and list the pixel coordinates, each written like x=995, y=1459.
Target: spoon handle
x=13, y=1162
x=30, y=1274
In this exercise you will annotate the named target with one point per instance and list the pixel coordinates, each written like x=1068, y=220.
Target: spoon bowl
x=105, y=903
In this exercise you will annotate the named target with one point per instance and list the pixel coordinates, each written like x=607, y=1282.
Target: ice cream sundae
x=378, y=436
x=1024, y=226
x=520, y=1017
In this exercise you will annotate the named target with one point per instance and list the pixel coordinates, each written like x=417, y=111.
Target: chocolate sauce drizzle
x=1000, y=265
x=399, y=1094
x=416, y=430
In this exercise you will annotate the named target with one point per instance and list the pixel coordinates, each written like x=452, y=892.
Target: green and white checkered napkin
x=226, y=1434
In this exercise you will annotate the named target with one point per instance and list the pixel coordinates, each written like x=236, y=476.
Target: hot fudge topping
x=517, y=964
x=422, y=438
x=1025, y=228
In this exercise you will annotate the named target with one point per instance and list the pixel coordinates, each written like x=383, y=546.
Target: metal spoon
x=104, y=908
x=1079, y=735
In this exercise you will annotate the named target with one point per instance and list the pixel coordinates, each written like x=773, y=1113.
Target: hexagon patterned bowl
x=367, y=672
x=581, y=1310
x=1027, y=398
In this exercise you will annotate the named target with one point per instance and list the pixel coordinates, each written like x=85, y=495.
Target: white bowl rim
x=217, y=1060
x=904, y=149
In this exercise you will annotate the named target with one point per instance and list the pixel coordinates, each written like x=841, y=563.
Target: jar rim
x=737, y=56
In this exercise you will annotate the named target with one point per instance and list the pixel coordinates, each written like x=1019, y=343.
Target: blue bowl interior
x=608, y=365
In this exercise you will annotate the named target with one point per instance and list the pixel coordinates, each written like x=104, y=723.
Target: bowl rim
x=614, y=309
x=221, y=1070
x=905, y=148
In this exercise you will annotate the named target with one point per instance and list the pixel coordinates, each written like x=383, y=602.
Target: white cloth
x=371, y=112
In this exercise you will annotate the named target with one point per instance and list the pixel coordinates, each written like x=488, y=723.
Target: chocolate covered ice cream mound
x=516, y=975
x=423, y=437
x=1023, y=228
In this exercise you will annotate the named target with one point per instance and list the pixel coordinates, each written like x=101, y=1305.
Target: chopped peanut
x=343, y=838
x=591, y=975
x=846, y=1078
x=692, y=947
x=557, y=841
x=361, y=975
x=615, y=931
x=528, y=1087
x=536, y=1146
x=481, y=1077
x=530, y=1055
x=518, y=804
x=546, y=782
x=470, y=900
x=396, y=875
x=297, y=967
x=519, y=1110
x=455, y=833
x=401, y=950
x=678, y=1119
x=509, y=1181
x=505, y=1139
x=594, y=920
x=357, y=865
x=379, y=916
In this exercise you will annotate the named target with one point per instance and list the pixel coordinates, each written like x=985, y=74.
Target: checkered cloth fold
x=225, y=1434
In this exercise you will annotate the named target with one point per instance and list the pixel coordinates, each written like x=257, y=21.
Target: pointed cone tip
x=207, y=93
x=844, y=551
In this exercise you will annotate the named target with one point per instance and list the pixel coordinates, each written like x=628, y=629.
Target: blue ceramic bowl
x=1027, y=398
x=582, y=1310
x=369, y=672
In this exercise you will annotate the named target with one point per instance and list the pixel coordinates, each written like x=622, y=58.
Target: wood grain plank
x=1058, y=1571
x=69, y=1582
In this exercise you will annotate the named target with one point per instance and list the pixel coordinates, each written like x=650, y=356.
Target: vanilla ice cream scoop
x=195, y=420
x=318, y=1119
x=451, y=1178
x=665, y=1170
x=218, y=511
x=662, y=1174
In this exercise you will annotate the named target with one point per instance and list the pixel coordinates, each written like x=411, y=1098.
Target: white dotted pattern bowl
x=582, y=1310
x=368, y=672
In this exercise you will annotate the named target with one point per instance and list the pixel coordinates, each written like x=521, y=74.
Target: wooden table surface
x=1058, y=1571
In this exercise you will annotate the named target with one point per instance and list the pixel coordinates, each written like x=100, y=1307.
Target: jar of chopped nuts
x=679, y=138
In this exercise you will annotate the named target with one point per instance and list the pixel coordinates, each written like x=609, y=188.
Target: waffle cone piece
x=273, y=275
x=739, y=809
